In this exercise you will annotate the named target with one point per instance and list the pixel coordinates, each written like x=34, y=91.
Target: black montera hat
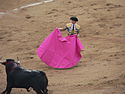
x=74, y=18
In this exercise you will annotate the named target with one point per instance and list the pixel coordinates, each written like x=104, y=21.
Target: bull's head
x=8, y=61
x=10, y=65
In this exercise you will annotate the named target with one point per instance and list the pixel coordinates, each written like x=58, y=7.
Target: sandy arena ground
x=101, y=71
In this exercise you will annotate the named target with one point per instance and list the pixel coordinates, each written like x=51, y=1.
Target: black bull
x=18, y=77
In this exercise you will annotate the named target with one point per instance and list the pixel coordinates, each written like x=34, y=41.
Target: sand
x=101, y=70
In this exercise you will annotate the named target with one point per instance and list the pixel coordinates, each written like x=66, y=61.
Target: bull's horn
x=18, y=60
x=1, y=62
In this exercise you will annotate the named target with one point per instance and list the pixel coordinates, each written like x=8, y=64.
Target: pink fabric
x=60, y=52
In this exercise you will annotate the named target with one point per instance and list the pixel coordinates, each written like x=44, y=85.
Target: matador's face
x=73, y=22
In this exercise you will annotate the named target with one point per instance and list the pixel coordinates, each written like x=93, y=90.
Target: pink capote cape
x=60, y=52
